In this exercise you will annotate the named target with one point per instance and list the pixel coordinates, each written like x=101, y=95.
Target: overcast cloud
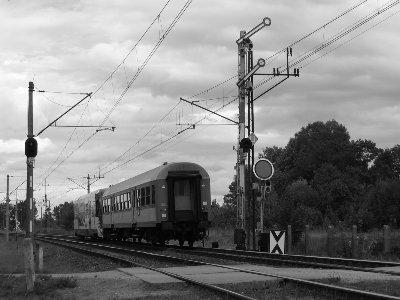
x=73, y=46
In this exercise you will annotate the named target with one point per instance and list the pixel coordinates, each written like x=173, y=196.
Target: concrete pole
x=242, y=120
x=28, y=241
x=29, y=178
x=8, y=209
x=29, y=264
x=88, y=184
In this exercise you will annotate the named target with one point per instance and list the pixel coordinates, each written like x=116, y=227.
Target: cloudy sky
x=347, y=72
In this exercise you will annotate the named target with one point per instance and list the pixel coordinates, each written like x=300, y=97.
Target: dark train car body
x=171, y=201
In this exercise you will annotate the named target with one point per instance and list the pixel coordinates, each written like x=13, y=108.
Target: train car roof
x=90, y=196
x=160, y=172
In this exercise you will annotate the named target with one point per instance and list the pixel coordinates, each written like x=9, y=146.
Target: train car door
x=184, y=196
x=136, y=204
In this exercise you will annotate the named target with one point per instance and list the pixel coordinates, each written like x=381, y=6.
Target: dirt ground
x=132, y=289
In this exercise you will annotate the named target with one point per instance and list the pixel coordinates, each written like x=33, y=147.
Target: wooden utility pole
x=8, y=209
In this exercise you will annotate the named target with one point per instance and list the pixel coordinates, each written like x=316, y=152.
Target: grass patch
x=45, y=286
x=278, y=289
x=11, y=256
x=387, y=287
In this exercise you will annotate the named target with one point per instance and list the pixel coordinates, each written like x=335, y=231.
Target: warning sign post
x=277, y=241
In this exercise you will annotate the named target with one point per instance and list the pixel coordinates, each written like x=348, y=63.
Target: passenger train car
x=170, y=202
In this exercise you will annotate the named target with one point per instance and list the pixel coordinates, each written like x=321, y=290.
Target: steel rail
x=289, y=261
x=314, y=284
x=301, y=260
x=214, y=288
x=352, y=261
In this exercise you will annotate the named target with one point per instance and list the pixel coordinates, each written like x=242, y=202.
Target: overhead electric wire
x=133, y=48
x=349, y=40
x=342, y=33
x=64, y=148
x=55, y=92
x=292, y=44
x=148, y=58
x=171, y=26
x=152, y=148
x=162, y=142
x=144, y=136
x=346, y=31
x=319, y=28
x=54, y=102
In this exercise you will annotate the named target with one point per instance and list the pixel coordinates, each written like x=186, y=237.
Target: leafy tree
x=365, y=152
x=273, y=154
x=387, y=164
x=314, y=145
x=294, y=207
x=383, y=201
x=64, y=215
x=322, y=177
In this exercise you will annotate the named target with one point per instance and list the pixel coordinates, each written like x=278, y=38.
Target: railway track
x=88, y=248
x=278, y=259
x=295, y=260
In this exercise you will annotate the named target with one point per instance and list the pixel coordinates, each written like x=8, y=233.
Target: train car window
x=180, y=188
x=109, y=204
x=182, y=195
x=147, y=195
x=142, y=197
x=153, y=194
x=129, y=199
x=125, y=198
x=138, y=198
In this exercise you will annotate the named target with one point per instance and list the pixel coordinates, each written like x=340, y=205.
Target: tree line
x=62, y=216
x=322, y=178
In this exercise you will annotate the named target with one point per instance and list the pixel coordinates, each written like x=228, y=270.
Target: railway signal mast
x=245, y=82
x=245, y=193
